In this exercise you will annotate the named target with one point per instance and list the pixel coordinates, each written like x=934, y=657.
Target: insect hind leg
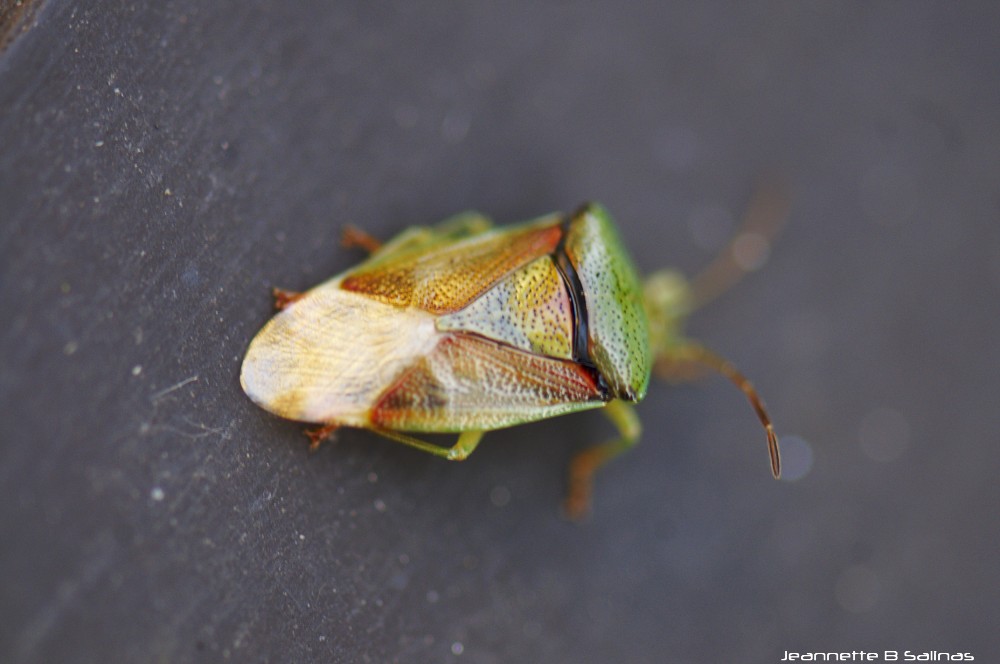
x=463, y=447
x=318, y=435
x=283, y=298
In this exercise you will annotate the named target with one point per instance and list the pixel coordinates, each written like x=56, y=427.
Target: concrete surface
x=162, y=165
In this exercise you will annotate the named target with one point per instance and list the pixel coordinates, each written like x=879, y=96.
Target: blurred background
x=164, y=164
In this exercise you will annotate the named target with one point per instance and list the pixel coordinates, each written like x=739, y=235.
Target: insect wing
x=448, y=277
x=468, y=382
x=329, y=356
x=332, y=354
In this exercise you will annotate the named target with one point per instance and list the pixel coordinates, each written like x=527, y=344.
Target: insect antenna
x=749, y=247
x=690, y=351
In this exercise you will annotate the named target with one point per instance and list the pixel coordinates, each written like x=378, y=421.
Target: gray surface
x=163, y=164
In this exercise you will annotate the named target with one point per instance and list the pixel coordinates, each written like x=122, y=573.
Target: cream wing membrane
x=329, y=356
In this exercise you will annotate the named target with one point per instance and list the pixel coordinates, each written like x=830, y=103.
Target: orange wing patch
x=468, y=382
x=448, y=279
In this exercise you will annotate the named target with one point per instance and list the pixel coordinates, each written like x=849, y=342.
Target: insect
x=465, y=328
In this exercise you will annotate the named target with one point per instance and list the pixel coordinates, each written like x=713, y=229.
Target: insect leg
x=282, y=297
x=319, y=434
x=586, y=463
x=352, y=236
x=466, y=444
x=686, y=353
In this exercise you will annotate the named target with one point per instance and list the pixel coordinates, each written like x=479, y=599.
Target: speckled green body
x=617, y=324
x=464, y=328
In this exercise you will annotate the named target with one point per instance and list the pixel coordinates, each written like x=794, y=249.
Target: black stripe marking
x=578, y=302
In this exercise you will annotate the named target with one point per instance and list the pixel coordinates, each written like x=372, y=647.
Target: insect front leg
x=585, y=464
x=466, y=444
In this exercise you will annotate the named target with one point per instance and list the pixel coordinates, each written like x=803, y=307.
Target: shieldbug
x=465, y=328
